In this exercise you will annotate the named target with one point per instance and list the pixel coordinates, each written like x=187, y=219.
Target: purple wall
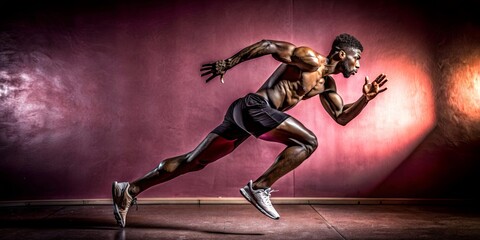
x=91, y=93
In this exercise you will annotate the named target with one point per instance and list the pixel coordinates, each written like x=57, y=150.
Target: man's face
x=351, y=63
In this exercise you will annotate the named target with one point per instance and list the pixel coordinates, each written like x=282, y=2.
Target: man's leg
x=212, y=148
x=300, y=142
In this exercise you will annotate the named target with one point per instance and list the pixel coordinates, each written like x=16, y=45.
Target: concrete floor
x=239, y=221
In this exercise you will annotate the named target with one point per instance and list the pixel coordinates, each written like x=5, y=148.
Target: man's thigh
x=290, y=131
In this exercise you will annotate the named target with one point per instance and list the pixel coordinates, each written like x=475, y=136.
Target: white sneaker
x=122, y=200
x=260, y=198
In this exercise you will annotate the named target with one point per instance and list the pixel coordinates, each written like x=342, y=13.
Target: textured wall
x=447, y=163
x=94, y=93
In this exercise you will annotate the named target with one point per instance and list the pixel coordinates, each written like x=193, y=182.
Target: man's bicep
x=332, y=102
x=282, y=51
x=303, y=57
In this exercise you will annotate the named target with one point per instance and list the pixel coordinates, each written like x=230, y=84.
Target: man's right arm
x=285, y=52
x=282, y=51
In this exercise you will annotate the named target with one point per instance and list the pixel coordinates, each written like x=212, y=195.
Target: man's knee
x=311, y=144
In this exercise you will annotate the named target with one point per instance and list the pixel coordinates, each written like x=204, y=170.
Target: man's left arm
x=343, y=114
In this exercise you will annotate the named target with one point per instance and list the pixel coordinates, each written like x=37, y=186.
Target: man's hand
x=217, y=68
x=371, y=90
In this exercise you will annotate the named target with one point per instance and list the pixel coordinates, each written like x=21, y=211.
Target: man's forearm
x=281, y=51
x=350, y=111
x=253, y=51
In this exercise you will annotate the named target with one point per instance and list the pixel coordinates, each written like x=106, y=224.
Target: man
x=303, y=74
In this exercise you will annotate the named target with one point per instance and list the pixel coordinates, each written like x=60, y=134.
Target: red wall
x=91, y=93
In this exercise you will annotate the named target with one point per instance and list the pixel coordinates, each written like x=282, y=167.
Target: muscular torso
x=288, y=85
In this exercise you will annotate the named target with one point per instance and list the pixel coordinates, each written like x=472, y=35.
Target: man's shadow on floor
x=69, y=223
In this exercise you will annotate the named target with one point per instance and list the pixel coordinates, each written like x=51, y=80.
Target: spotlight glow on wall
x=465, y=89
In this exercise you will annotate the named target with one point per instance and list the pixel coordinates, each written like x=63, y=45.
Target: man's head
x=346, y=49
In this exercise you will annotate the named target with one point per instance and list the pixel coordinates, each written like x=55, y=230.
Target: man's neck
x=330, y=65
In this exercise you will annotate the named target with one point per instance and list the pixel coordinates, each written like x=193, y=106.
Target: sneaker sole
x=116, y=212
x=247, y=196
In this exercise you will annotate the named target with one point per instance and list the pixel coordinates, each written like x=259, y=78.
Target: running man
x=302, y=74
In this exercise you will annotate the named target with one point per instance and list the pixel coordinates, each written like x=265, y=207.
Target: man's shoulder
x=305, y=51
x=307, y=59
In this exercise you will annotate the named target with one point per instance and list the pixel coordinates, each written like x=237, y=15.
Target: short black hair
x=343, y=41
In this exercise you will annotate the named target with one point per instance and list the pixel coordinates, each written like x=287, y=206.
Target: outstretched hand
x=371, y=90
x=217, y=68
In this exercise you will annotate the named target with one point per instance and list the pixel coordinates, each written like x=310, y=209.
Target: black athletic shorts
x=251, y=114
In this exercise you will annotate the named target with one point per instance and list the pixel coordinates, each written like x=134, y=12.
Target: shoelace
x=133, y=202
x=266, y=197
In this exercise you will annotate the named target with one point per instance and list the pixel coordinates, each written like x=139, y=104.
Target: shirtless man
x=303, y=74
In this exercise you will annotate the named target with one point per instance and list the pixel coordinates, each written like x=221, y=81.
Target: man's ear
x=342, y=54
x=339, y=55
